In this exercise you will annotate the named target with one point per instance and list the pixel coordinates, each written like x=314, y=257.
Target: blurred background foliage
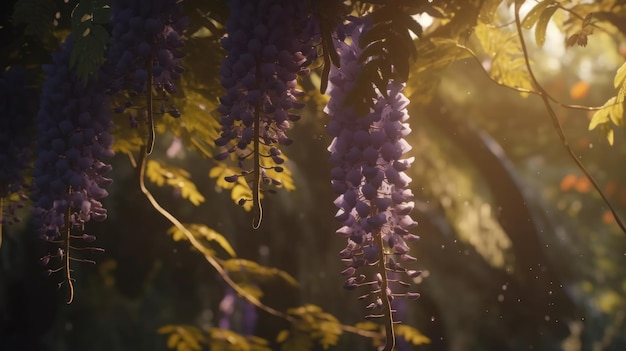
x=518, y=250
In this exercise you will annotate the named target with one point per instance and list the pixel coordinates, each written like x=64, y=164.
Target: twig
x=215, y=262
x=523, y=90
x=557, y=124
x=150, y=107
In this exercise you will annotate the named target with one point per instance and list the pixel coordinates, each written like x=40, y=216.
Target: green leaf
x=618, y=81
x=533, y=15
x=90, y=37
x=542, y=23
x=38, y=15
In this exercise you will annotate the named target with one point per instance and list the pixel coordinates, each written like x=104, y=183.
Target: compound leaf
x=178, y=178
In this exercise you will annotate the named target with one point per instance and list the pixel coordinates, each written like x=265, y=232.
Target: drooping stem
x=257, y=208
x=66, y=233
x=216, y=263
x=149, y=107
x=390, y=338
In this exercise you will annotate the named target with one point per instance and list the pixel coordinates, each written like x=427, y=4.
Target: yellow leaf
x=282, y=336
x=153, y=172
x=177, y=235
x=160, y=174
x=508, y=66
x=620, y=76
x=172, y=341
x=542, y=23
x=533, y=15
x=209, y=234
x=166, y=329
x=216, y=171
x=616, y=114
x=285, y=177
x=602, y=115
x=255, y=271
x=411, y=334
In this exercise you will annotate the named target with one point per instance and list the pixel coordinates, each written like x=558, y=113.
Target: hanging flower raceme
x=144, y=55
x=369, y=176
x=269, y=43
x=145, y=40
x=17, y=112
x=73, y=142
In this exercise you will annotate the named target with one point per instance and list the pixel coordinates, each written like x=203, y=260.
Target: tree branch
x=557, y=124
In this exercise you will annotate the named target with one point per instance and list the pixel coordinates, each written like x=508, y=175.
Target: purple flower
x=269, y=44
x=145, y=35
x=73, y=140
x=368, y=176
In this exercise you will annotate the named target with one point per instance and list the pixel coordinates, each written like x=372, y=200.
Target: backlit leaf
x=411, y=335
x=542, y=24
x=602, y=115
x=227, y=340
x=620, y=76
x=282, y=336
x=508, y=66
x=201, y=231
x=183, y=337
x=616, y=113
x=178, y=178
x=312, y=325
x=251, y=270
x=533, y=15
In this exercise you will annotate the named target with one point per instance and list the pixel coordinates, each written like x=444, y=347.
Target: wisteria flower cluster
x=17, y=111
x=146, y=38
x=269, y=43
x=73, y=142
x=369, y=176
